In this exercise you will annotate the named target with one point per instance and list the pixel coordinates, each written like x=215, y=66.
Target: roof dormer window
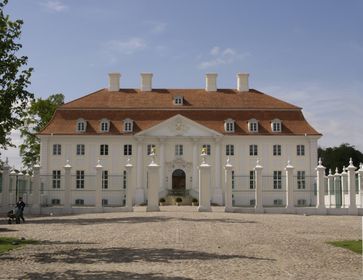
x=276, y=125
x=128, y=125
x=229, y=125
x=253, y=125
x=81, y=125
x=105, y=125
x=178, y=100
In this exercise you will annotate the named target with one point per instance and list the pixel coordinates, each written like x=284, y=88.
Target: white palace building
x=260, y=151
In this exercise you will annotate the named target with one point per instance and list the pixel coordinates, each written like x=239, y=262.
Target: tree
x=14, y=78
x=39, y=113
x=337, y=157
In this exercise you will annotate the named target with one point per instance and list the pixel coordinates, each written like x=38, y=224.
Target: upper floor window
x=105, y=125
x=104, y=150
x=229, y=125
x=229, y=150
x=253, y=150
x=57, y=149
x=178, y=100
x=179, y=150
x=128, y=125
x=128, y=150
x=277, y=150
x=253, y=125
x=276, y=125
x=150, y=148
x=81, y=125
x=207, y=149
x=300, y=150
x=80, y=150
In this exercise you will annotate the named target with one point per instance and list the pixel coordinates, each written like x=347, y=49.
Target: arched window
x=276, y=125
x=253, y=125
x=229, y=125
x=105, y=125
x=81, y=125
x=128, y=125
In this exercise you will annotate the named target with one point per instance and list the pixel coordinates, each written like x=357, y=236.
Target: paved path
x=181, y=244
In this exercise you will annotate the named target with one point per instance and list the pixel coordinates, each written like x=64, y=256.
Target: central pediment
x=179, y=125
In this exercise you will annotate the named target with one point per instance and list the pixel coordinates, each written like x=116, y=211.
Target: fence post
x=360, y=184
x=204, y=184
x=36, y=190
x=12, y=196
x=98, y=196
x=153, y=185
x=320, y=185
x=351, y=189
x=129, y=187
x=258, y=193
x=337, y=188
x=289, y=187
x=67, y=188
x=330, y=186
x=228, y=186
x=344, y=185
x=5, y=192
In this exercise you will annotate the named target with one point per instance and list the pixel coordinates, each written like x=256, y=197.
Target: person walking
x=20, y=205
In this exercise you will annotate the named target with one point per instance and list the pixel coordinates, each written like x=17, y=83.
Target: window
x=252, y=202
x=233, y=179
x=55, y=201
x=229, y=125
x=104, y=179
x=207, y=149
x=57, y=149
x=300, y=150
x=128, y=125
x=229, y=150
x=79, y=202
x=80, y=150
x=277, y=150
x=150, y=147
x=253, y=125
x=301, y=183
x=252, y=179
x=277, y=179
x=56, y=180
x=178, y=150
x=301, y=202
x=178, y=100
x=276, y=125
x=81, y=125
x=124, y=179
x=105, y=125
x=127, y=150
x=104, y=150
x=104, y=202
x=80, y=179
x=253, y=150
x=277, y=202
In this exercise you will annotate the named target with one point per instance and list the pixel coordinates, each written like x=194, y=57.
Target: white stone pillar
x=98, y=196
x=195, y=164
x=228, y=187
x=344, y=185
x=130, y=190
x=351, y=189
x=330, y=186
x=337, y=188
x=5, y=198
x=36, y=190
x=289, y=187
x=139, y=194
x=13, y=185
x=258, y=191
x=153, y=186
x=320, y=184
x=162, y=164
x=218, y=193
x=67, y=188
x=204, y=185
x=360, y=184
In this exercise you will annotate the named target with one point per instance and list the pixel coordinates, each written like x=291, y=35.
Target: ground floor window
x=252, y=202
x=229, y=150
x=277, y=202
x=301, y=180
x=104, y=179
x=252, y=179
x=277, y=179
x=79, y=202
x=104, y=202
x=301, y=202
x=80, y=179
x=56, y=179
x=55, y=201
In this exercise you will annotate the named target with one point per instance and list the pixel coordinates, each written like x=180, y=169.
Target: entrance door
x=178, y=180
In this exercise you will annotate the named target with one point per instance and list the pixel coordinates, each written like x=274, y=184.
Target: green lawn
x=10, y=243
x=353, y=245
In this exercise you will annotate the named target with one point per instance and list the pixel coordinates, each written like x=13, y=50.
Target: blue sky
x=309, y=53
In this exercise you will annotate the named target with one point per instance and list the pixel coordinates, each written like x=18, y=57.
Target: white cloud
x=55, y=5
x=218, y=56
x=126, y=47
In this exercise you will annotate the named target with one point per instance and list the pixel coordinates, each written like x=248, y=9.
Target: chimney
x=211, y=82
x=114, y=81
x=146, y=81
x=242, y=82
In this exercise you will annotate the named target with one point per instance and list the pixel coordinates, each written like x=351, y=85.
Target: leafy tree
x=14, y=78
x=337, y=157
x=39, y=113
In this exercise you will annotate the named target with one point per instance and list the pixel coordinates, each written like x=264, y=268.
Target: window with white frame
x=104, y=202
x=80, y=179
x=80, y=149
x=229, y=150
x=56, y=179
x=207, y=149
x=150, y=148
x=178, y=100
x=57, y=149
x=127, y=150
x=179, y=150
x=81, y=125
x=277, y=179
x=128, y=125
x=79, y=201
x=253, y=125
x=253, y=150
x=233, y=180
x=301, y=202
x=300, y=150
x=104, y=179
x=301, y=182
x=229, y=125
x=277, y=202
x=252, y=202
x=55, y=201
x=124, y=179
x=105, y=125
x=252, y=179
x=104, y=150
x=276, y=125
x=277, y=150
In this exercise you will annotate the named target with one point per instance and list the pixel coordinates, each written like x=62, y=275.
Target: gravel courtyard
x=179, y=243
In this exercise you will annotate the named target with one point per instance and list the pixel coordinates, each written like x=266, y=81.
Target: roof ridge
x=80, y=98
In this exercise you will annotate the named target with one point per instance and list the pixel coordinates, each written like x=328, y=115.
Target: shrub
x=195, y=200
x=162, y=200
x=178, y=199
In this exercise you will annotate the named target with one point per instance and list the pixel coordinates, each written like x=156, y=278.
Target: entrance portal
x=178, y=180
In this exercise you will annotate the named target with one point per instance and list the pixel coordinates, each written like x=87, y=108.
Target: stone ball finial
x=320, y=162
x=330, y=172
